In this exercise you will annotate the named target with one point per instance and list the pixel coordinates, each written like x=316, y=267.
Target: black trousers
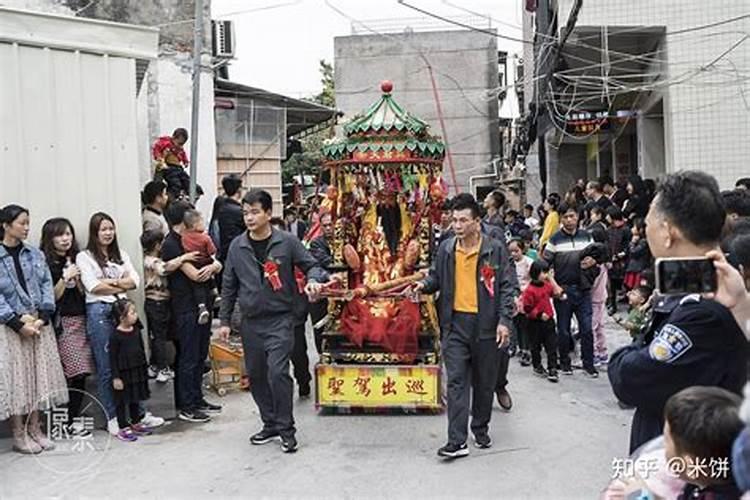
x=471, y=365
x=76, y=388
x=300, y=362
x=125, y=410
x=543, y=333
x=268, y=343
x=615, y=285
x=519, y=325
x=158, y=316
x=318, y=311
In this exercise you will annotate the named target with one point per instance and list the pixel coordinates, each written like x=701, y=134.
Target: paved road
x=557, y=442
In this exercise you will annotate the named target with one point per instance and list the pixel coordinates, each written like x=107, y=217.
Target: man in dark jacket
x=321, y=250
x=293, y=223
x=474, y=277
x=260, y=276
x=573, y=272
x=229, y=217
x=689, y=340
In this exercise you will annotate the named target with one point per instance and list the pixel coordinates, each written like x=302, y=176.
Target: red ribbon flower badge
x=271, y=273
x=487, y=273
x=300, y=278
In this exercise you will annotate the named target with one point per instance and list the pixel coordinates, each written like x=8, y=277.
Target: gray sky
x=279, y=42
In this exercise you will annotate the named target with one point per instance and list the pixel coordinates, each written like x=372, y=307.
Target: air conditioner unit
x=223, y=38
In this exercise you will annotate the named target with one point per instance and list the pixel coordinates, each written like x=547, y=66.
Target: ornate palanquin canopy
x=385, y=132
x=385, y=194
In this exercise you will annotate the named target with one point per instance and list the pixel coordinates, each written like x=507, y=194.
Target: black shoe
x=552, y=376
x=304, y=391
x=592, y=372
x=482, y=441
x=288, y=444
x=452, y=451
x=207, y=407
x=264, y=436
x=540, y=371
x=193, y=416
x=504, y=399
x=525, y=360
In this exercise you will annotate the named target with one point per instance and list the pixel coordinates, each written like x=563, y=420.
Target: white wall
x=68, y=141
x=172, y=108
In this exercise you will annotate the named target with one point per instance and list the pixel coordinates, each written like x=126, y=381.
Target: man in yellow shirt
x=475, y=279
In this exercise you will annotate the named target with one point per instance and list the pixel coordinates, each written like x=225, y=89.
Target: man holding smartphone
x=689, y=340
x=476, y=282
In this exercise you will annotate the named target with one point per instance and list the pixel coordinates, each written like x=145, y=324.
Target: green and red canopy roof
x=385, y=128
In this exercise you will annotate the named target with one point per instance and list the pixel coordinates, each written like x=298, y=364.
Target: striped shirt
x=563, y=253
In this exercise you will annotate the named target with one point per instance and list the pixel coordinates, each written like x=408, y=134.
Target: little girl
x=537, y=306
x=129, y=370
x=639, y=255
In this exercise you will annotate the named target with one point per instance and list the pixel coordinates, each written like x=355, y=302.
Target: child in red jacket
x=537, y=305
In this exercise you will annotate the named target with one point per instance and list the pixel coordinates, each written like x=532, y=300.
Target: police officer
x=473, y=275
x=689, y=340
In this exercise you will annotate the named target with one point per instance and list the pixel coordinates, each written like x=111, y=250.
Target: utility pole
x=197, y=53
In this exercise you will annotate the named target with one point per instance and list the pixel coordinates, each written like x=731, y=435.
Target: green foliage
x=309, y=160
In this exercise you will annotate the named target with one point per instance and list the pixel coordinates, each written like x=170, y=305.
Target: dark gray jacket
x=243, y=280
x=321, y=250
x=492, y=310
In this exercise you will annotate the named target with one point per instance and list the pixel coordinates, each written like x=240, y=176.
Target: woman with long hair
x=107, y=275
x=31, y=377
x=60, y=248
x=638, y=200
x=551, y=221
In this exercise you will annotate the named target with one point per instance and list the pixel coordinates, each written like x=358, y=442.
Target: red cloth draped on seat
x=391, y=324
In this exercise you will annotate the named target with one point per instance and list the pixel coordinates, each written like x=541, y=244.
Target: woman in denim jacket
x=31, y=376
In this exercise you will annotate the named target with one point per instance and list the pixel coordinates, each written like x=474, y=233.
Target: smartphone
x=682, y=275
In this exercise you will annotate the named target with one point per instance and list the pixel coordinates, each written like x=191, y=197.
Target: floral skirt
x=75, y=350
x=31, y=375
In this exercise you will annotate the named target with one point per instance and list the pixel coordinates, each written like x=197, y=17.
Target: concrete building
x=465, y=67
x=645, y=87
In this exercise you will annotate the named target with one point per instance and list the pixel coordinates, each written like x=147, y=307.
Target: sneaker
x=566, y=370
x=603, y=359
x=288, y=444
x=207, y=407
x=525, y=359
x=152, y=372
x=203, y=315
x=552, y=376
x=112, y=427
x=152, y=421
x=592, y=372
x=170, y=372
x=264, y=436
x=141, y=430
x=452, y=451
x=483, y=441
x=126, y=435
x=163, y=376
x=539, y=371
x=193, y=416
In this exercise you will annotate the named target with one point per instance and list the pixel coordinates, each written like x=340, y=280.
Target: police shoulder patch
x=669, y=344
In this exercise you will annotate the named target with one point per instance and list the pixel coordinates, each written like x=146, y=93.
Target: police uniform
x=689, y=341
